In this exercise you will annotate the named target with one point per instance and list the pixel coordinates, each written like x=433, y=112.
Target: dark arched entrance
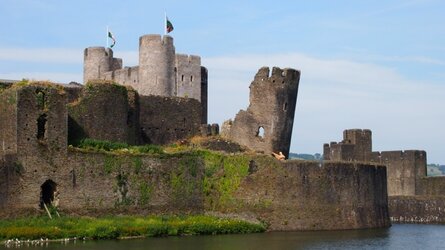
x=47, y=193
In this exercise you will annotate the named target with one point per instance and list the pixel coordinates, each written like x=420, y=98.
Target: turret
x=156, y=65
x=97, y=61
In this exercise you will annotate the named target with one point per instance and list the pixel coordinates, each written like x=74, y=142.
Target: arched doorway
x=48, y=191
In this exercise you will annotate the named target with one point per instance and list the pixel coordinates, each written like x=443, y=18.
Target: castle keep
x=160, y=72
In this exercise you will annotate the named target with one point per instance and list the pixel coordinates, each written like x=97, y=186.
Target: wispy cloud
x=42, y=55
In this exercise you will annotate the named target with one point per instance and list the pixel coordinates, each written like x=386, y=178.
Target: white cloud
x=42, y=55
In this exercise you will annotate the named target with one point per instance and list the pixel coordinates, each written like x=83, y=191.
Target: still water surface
x=399, y=236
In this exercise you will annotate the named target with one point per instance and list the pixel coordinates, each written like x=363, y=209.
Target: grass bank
x=122, y=226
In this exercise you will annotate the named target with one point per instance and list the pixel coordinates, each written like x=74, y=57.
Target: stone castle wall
x=431, y=186
x=288, y=196
x=8, y=118
x=404, y=168
x=417, y=209
x=101, y=182
x=414, y=197
x=304, y=196
x=103, y=112
x=165, y=120
x=267, y=123
x=188, y=76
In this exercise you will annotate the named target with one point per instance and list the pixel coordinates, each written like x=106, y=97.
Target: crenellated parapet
x=355, y=146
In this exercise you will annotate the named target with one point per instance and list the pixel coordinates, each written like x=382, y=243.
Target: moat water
x=399, y=236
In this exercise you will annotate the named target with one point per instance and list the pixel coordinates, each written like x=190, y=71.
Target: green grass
x=122, y=226
x=107, y=146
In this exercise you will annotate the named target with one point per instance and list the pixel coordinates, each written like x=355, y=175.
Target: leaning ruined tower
x=266, y=125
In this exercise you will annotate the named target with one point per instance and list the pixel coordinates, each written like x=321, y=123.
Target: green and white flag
x=168, y=25
x=111, y=36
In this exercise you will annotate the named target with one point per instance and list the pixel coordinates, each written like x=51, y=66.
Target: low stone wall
x=301, y=195
x=291, y=195
x=430, y=185
x=104, y=111
x=417, y=209
x=165, y=120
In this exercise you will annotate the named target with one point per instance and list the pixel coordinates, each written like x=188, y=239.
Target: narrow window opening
x=191, y=78
x=285, y=106
x=41, y=123
x=41, y=99
x=260, y=132
x=182, y=78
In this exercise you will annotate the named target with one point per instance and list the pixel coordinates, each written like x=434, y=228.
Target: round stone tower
x=96, y=61
x=156, y=65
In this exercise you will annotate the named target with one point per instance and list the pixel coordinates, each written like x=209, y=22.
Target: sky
x=376, y=65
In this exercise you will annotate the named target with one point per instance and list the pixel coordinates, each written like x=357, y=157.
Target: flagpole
x=107, y=35
x=165, y=22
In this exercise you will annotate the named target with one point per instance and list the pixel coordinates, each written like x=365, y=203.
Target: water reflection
x=397, y=237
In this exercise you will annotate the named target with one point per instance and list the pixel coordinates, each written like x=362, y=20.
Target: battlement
x=399, y=155
x=154, y=39
x=188, y=59
x=404, y=168
x=355, y=136
x=98, y=52
x=287, y=75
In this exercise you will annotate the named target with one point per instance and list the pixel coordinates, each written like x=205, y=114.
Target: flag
x=110, y=35
x=168, y=25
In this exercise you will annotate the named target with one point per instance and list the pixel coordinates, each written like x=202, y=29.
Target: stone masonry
x=267, y=123
x=414, y=197
x=160, y=72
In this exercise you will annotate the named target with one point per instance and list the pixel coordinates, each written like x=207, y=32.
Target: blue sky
x=364, y=64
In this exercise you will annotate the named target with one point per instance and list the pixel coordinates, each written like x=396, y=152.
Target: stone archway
x=48, y=193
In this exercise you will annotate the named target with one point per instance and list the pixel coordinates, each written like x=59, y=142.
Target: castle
x=163, y=100
x=160, y=72
x=413, y=196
